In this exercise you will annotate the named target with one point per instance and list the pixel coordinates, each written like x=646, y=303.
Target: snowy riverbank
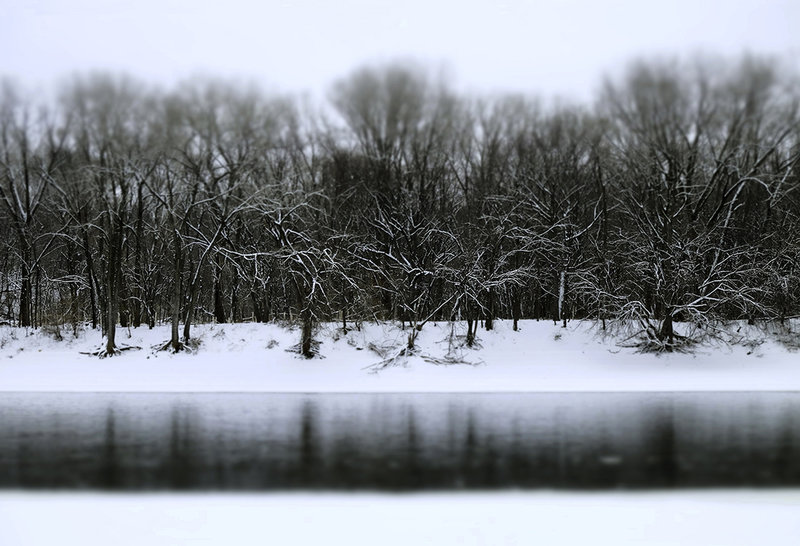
x=253, y=357
x=705, y=518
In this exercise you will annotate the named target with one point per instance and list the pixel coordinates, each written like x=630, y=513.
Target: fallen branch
x=103, y=352
x=400, y=358
x=450, y=360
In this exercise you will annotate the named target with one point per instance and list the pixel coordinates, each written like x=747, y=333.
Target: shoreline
x=252, y=357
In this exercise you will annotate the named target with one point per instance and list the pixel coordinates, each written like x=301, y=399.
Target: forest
x=671, y=198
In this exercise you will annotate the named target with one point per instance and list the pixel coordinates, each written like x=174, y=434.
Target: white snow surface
x=250, y=357
x=707, y=518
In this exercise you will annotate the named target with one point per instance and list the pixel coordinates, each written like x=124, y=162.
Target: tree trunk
x=388, y=304
x=516, y=307
x=219, y=306
x=489, y=324
x=412, y=338
x=235, y=303
x=667, y=332
x=111, y=328
x=175, y=341
x=91, y=280
x=25, y=301
x=111, y=307
x=307, y=329
x=124, y=309
x=136, y=307
x=25, y=294
x=256, y=307
x=189, y=319
x=266, y=304
x=112, y=276
x=562, y=286
x=37, y=306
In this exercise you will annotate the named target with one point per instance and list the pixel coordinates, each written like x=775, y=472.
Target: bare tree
x=31, y=147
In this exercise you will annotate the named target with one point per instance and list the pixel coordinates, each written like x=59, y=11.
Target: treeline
x=674, y=197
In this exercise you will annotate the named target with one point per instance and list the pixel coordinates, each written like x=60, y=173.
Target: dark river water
x=398, y=441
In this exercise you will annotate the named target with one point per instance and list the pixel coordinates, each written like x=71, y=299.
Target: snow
x=250, y=357
x=707, y=518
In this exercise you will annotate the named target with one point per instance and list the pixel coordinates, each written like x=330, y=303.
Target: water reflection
x=397, y=441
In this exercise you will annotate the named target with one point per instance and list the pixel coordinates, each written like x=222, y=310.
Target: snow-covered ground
x=253, y=357
x=722, y=518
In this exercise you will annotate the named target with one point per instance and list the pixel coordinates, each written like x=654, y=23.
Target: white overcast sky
x=554, y=48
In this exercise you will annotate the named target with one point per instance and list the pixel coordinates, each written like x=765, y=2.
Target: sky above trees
x=555, y=48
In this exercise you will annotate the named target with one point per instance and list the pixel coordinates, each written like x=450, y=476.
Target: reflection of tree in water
x=468, y=452
x=178, y=466
x=110, y=473
x=661, y=441
x=478, y=457
x=662, y=459
x=787, y=453
x=520, y=457
x=412, y=477
x=309, y=456
x=24, y=467
x=343, y=466
x=219, y=470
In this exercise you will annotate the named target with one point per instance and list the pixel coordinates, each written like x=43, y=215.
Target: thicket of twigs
x=673, y=198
